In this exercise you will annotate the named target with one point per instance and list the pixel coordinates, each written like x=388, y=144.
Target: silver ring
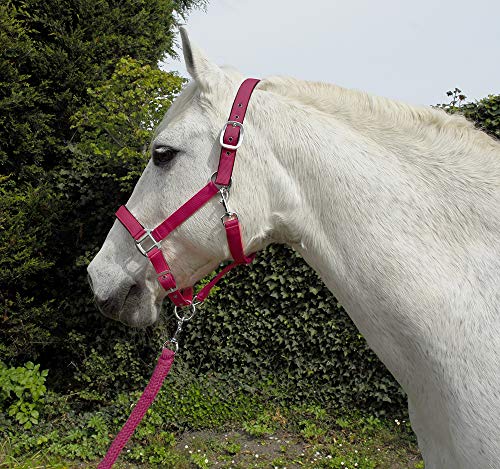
x=185, y=318
x=213, y=177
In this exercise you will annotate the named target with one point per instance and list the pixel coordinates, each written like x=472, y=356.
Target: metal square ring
x=147, y=237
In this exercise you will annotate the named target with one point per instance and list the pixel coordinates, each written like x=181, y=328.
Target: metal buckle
x=161, y=274
x=240, y=139
x=224, y=194
x=147, y=237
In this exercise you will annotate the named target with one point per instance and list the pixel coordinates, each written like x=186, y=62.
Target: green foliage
x=485, y=113
x=189, y=404
x=311, y=431
x=26, y=130
x=26, y=214
x=102, y=376
x=200, y=461
x=21, y=390
x=72, y=77
x=114, y=130
x=275, y=321
x=54, y=51
x=263, y=425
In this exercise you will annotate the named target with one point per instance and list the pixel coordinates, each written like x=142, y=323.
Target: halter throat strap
x=148, y=241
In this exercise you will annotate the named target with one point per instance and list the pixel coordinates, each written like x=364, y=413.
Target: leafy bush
x=485, y=113
x=80, y=94
x=275, y=321
x=53, y=51
x=21, y=390
x=26, y=215
x=57, y=191
x=115, y=128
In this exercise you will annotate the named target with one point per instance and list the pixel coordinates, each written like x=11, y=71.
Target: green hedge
x=78, y=89
x=276, y=321
x=485, y=113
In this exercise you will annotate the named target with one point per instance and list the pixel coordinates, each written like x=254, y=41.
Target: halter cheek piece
x=148, y=240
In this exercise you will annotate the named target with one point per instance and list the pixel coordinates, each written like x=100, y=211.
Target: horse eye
x=162, y=155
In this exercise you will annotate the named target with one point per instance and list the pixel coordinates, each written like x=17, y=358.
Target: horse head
x=184, y=155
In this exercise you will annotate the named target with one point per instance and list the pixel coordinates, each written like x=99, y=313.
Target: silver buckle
x=240, y=139
x=148, y=237
x=161, y=274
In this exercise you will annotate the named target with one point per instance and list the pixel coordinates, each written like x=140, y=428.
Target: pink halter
x=148, y=240
x=148, y=243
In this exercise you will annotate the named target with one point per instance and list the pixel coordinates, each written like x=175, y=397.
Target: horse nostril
x=111, y=303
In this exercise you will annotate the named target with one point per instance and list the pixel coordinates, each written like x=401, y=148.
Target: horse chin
x=138, y=318
x=140, y=309
x=138, y=312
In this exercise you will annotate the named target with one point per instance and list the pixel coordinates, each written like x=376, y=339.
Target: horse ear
x=198, y=65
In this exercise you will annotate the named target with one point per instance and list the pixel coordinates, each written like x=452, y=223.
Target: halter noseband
x=148, y=241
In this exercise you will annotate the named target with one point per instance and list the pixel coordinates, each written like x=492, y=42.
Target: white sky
x=412, y=50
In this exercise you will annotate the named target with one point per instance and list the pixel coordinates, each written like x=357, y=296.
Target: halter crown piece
x=148, y=240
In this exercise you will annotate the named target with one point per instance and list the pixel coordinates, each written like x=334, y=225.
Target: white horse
x=396, y=207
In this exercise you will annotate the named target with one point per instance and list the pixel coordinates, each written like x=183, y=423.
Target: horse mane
x=425, y=133
x=379, y=116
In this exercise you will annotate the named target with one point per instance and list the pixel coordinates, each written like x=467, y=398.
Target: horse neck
x=330, y=191
x=365, y=212
x=330, y=178
x=404, y=235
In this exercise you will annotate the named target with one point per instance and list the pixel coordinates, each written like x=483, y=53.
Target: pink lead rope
x=148, y=396
x=148, y=243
